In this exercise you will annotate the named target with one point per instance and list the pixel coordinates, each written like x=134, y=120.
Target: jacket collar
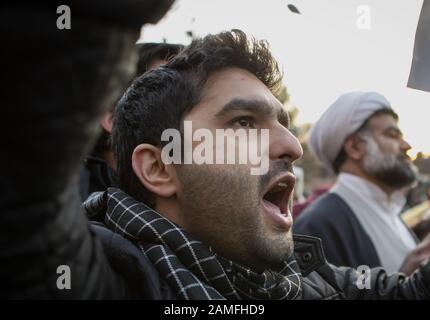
x=309, y=253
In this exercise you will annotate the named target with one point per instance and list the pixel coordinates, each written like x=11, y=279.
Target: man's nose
x=284, y=144
x=405, y=145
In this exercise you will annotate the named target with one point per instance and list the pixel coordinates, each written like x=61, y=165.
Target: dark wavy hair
x=148, y=53
x=159, y=99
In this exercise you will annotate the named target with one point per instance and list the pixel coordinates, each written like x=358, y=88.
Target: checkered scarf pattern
x=192, y=270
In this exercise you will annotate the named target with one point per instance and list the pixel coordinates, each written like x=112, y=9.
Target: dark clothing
x=56, y=83
x=320, y=280
x=140, y=279
x=344, y=240
x=192, y=269
x=105, y=265
x=96, y=175
x=172, y=251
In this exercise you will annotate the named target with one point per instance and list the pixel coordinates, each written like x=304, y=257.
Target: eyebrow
x=393, y=128
x=256, y=106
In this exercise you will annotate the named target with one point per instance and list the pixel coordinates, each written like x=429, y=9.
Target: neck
x=169, y=208
x=109, y=158
x=360, y=173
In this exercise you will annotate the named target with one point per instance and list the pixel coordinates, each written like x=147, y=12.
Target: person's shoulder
x=114, y=242
x=129, y=262
x=327, y=208
x=329, y=202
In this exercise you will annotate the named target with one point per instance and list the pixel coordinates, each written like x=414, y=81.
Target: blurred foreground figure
x=358, y=220
x=57, y=85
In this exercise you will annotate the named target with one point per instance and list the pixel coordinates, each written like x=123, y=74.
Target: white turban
x=341, y=119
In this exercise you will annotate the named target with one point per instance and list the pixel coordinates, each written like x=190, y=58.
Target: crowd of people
x=85, y=184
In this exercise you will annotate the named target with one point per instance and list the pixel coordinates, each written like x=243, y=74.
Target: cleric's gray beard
x=391, y=170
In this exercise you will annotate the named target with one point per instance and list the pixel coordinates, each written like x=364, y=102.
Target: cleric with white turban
x=345, y=116
x=358, y=219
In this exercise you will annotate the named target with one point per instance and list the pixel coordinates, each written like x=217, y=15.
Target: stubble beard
x=221, y=206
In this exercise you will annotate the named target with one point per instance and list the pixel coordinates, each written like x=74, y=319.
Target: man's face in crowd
x=244, y=217
x=386, y=159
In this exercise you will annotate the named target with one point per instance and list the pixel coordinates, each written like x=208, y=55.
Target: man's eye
x=246, y=122
x=395, y=135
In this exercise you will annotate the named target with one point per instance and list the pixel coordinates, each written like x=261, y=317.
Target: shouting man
x=199, y=230
x=211, y=230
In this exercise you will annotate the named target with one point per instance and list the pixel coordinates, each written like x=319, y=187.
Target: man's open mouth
x=276, y=199
x=279, y=192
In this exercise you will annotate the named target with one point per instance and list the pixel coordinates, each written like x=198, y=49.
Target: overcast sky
x=322, y=51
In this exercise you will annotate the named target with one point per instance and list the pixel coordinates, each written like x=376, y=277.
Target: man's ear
x=355, y=147
x=149, y=168
x=107, y=121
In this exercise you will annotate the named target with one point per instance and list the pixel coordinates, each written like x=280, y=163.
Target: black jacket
x=105, y=265
x=321, y=280
x=344, y=240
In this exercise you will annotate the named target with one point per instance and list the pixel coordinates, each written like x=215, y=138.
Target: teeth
x=279, y=187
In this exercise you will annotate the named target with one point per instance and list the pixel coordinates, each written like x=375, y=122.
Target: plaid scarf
x=192, y=270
